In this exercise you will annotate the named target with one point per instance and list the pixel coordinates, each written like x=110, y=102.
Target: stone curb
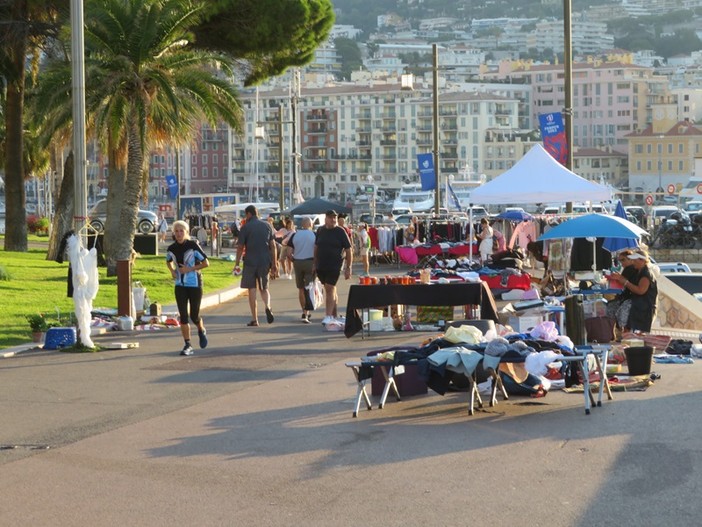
x=211, y=300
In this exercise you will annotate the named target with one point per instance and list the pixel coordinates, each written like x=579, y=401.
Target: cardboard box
x=525, y=323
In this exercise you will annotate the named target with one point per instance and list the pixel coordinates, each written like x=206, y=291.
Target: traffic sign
x=699, y=188
x=649, y=200
x=671, y=188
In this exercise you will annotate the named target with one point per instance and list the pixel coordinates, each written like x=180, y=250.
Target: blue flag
x=454, y=198
x=426, y=171
x=553, y=136
x=172, y=183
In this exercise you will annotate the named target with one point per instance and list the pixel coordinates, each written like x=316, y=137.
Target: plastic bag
x=545, y=330
x=314, y=295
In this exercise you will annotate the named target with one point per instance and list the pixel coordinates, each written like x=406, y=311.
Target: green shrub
x=4, y=274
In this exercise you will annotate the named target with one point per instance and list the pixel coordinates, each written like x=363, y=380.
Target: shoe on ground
x=203, y=339
x=269, y=316
x=305, y=318
x=187, y=350
x=327, y=320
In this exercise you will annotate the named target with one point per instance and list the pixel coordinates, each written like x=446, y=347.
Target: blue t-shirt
x=186, y=254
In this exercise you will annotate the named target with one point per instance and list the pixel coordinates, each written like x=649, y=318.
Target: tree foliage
x=269, y=35
x=350, y=54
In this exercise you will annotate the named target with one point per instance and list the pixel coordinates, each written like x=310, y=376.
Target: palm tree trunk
x=65, y=209
x=16, y=215
x=125, y=192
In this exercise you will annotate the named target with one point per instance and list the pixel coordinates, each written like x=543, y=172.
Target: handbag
x=600, y=329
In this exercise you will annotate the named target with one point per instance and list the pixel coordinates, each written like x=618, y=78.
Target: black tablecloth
x=454, y=294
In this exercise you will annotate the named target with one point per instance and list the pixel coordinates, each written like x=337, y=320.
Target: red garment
x=373, y=234
x=513, y=282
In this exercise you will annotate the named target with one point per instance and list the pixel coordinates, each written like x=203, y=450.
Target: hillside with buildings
x=499, y=67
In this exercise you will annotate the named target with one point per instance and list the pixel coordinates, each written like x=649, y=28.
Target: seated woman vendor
x=619, y=308
x=643, y=289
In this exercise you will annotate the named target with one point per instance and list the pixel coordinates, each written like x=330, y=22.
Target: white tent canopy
x=538, y=178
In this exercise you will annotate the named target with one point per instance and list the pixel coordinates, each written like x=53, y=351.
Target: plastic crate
x=57, y=338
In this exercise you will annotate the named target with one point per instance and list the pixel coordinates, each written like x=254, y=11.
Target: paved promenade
x=257, y=430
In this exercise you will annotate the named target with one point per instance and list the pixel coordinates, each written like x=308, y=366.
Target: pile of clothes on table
x=527, y=363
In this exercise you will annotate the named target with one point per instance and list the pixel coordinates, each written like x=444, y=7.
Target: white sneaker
x=290, y=277
x=327, y=320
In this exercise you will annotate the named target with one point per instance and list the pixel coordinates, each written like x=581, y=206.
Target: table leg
x=389, y=374
x=360, y=389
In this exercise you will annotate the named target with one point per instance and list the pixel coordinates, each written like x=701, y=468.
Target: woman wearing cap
x=620, y=307
x=644, y=292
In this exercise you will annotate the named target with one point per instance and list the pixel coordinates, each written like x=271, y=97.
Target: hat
x=636, y=256
x=331, y=212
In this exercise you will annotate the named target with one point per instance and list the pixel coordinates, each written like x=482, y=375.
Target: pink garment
x=407, y=255
x=501, y=244
x=524, y=233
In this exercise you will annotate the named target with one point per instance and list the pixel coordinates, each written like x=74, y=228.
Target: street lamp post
x=660, y=164
x=435, y=122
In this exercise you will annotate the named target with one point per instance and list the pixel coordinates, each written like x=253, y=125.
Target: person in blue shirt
x=185, y=259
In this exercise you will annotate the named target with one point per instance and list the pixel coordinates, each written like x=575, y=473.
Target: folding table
x=362, y=371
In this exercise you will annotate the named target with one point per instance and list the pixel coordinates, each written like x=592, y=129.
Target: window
x=204, y=159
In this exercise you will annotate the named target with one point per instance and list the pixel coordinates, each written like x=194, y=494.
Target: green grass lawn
x=39, y=286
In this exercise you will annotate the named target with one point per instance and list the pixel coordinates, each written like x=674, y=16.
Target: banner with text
x=172, y=183
x=553, y=136
x=426, y=171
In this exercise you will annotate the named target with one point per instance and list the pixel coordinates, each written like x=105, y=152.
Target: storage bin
x=57, y=338
x=638, y=359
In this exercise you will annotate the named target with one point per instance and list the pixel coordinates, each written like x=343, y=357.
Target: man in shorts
x=257, y=245
x=331, y=247
x=301, y=246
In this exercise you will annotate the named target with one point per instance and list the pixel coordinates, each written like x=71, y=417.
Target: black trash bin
x=638, y=359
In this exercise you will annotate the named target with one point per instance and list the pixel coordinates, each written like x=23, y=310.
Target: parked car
x=146, y=220
x=639, y=213
x=693, y=207
x=661, y=212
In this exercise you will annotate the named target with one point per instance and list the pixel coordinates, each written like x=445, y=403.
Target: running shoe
x=187, y=350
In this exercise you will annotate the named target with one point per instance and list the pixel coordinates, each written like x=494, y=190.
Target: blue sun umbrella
x=515, y=215
x=593, y=226
x=614, y=245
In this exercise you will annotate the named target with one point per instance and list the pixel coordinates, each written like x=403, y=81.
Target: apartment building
x=663, y=153
x=610, y=100
x=347, y=132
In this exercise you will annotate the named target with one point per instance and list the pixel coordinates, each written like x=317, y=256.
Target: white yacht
x=412, y=197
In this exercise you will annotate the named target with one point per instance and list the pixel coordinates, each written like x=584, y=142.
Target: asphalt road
x=257, y=430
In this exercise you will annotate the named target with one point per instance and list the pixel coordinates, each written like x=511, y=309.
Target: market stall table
x=434, y=294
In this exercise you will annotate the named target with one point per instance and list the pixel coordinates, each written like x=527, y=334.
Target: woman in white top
x=365, y=243
x=485, y=237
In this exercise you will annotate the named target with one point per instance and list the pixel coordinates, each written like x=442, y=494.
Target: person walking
x=300, y=245
x=185, y=259
x=364, y=247
x=256, y=244
x=162, y=227
x=332, y=245
x=283, y=234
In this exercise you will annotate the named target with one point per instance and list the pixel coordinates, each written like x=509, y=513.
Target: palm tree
x=145, y=85
x=26, y=25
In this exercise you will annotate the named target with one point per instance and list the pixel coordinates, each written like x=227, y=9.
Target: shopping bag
x=600, y=329
x=314, y=295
